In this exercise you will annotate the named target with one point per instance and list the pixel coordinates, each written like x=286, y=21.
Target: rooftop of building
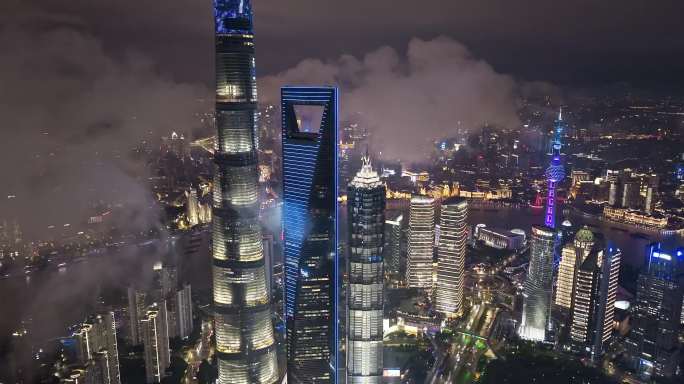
x=585, y=235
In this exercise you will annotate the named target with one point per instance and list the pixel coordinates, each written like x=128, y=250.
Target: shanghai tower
x=245, y=345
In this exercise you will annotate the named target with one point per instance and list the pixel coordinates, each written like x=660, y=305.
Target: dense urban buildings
x=310, y=228
x=365, y=290
x=652, y=345
x=421, y=240
x=538, y=285
x=451, y=252
x=245, y=344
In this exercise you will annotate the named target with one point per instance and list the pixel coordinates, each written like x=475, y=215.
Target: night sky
x=578, y=42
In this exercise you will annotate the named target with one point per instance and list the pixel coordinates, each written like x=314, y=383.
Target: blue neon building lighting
x=310, y=229
x=233, y=16
x=555, y=172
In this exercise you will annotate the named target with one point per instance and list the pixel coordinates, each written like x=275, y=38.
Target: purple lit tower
x=555, y=172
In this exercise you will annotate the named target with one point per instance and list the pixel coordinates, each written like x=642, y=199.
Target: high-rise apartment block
x=156, y=343
x=136, y=310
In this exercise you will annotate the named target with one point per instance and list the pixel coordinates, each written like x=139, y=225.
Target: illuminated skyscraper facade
x=572, y=257
x=420, y=242
x=309, y=128
x=242, y=309
x=365, y=299
x=451, y=256
x=652, y=345
x=156, y=343
x=607, y=295
x=538, y=286
x=584, y=302
x=554, y=173
x=593, y=297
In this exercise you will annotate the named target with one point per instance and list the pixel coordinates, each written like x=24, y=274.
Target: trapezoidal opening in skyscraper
x=309, y=117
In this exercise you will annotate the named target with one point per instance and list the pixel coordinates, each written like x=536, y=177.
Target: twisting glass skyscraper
x=555, y=172
x=243, y=326
x=366, y=215
x=451, y=256
x=309, y=124
x=537, y=293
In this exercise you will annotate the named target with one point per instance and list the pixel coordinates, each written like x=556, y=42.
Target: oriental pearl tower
x=555, y=172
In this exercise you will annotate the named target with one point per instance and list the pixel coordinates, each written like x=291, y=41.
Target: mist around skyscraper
x=238, y=191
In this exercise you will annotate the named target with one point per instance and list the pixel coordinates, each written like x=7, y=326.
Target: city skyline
x=103, y=42
x=188, y=194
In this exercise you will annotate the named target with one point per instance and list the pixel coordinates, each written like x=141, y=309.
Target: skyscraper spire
x=245, y=344
x=366, y=165
x=555, y=172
